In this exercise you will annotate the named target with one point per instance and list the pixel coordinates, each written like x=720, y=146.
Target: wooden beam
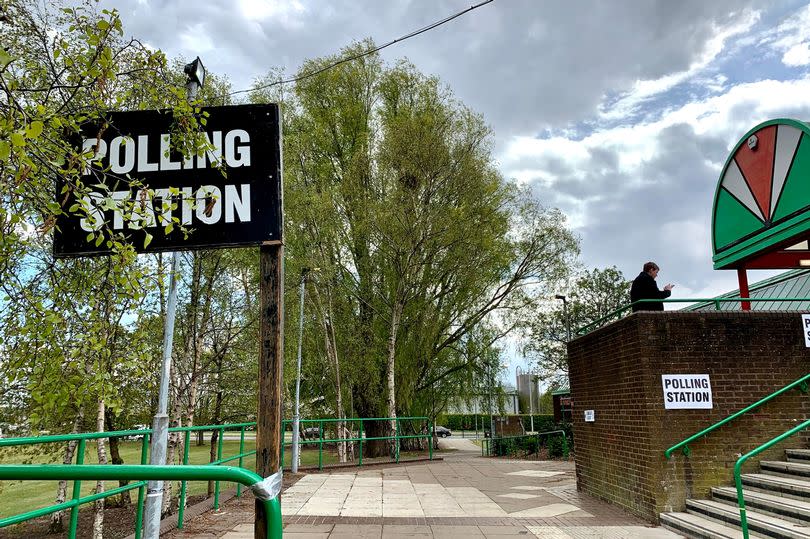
x=271, y=361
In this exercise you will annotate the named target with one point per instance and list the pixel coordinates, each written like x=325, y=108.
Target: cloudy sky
x=620, y=113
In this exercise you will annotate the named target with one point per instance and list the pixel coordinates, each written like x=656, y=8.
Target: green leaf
x=147, y=240
x=17, y=139
x=34, y=130
x=99, y=239
x=5, y=58
x=168, y=229
x=90, y=236
x=5, y=150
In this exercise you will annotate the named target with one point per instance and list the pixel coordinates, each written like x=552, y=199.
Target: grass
x=20, y=496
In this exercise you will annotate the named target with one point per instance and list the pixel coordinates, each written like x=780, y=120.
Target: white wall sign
x=806, y=329
x=590, y=416
x=687, y=391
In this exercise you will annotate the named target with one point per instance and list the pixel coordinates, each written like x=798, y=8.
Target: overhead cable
x=365, y=53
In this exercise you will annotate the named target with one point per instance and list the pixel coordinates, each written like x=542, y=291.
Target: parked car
x=312, y=433
x=139, y=426
x=442, y=432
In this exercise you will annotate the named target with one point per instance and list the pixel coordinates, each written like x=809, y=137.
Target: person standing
x=645, y=287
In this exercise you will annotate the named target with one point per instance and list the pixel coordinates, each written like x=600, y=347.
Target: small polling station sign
x=806, y=329
x=687, y=391
x=226, y=196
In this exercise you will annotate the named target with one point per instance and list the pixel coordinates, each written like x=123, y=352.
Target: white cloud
x=792, y=38
x=643, y=90
x=289, y=13
x=644, y=191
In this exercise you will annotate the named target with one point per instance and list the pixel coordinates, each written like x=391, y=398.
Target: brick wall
x=616, y=371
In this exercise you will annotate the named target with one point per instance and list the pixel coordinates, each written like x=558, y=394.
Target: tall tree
x=392, y=192
x=595, y=294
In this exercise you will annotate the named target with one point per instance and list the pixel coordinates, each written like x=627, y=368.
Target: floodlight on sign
x=195, y=71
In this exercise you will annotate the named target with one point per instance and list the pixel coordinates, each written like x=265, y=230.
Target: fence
x=49, y=471
x=81, y=442
x=355, y=431
x=699, y=302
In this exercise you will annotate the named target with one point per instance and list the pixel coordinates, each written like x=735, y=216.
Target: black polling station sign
x=239, y=208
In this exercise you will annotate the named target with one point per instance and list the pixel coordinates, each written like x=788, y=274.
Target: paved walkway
x=460, y=497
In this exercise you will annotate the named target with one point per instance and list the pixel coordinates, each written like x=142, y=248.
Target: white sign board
x=687, y=391
x=806, y=329
x=590, y=416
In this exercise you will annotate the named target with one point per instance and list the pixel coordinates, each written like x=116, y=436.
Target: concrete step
x=788, y=469
x=790, y=487
x=697, y=527
x=797, y=511
x=763, y=524
x=798, y=455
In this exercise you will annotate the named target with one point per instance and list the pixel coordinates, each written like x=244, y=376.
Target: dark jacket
x=644, y=287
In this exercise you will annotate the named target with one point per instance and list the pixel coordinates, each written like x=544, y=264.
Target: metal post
x=181, y=507
x=531, y=399
x=160, y=423
x=742, y=277
x=491, y=416
x=296, y=451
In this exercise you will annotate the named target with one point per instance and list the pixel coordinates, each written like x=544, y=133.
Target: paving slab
x=460, y=498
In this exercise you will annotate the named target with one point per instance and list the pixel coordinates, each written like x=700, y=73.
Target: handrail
x=145, y=434
x=801, y=383
x=742, y=459
x=717, y=301
x=82, y=439
x=101, y=472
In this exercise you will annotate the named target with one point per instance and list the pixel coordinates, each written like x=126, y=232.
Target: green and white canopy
x=761, y=213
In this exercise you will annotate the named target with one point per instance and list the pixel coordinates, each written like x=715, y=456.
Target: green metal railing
x=361, y=437
x=716, y=301
x=742, y=459
x=140, y=473
x=81, y=440
x=511, y=445
x=801, y=384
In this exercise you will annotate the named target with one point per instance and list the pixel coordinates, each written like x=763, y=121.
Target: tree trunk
x=115, y=456
x=98, y=521
x=396, y=315
x=175, y=442
x=56, y=525
x=216, y=420
x=331, y=352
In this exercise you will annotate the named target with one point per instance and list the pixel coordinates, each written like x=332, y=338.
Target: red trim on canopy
x=757, y=167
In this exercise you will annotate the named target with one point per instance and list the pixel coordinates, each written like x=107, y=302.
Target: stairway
x=777, y=502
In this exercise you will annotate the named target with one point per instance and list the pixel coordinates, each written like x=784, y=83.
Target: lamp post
x=296, y=416
x=565, y=315
x=160, y=423
x=531, y=401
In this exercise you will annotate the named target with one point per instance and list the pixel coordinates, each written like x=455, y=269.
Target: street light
x=565, y=314
x=160, y=423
